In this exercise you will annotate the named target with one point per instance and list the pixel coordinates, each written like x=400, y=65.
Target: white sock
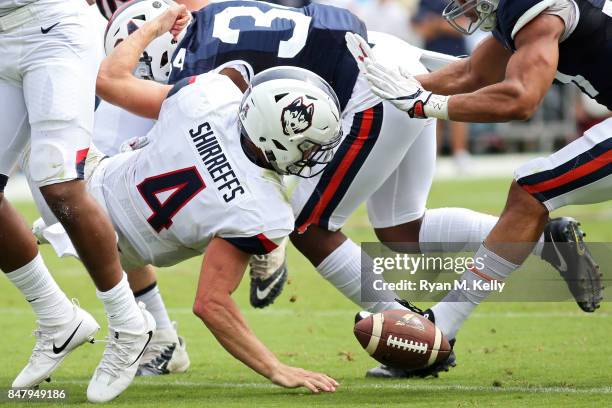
x=447, y=230
x=458, y=304
x=342, y=268
x=151, y=297
x=121, y=308
x=38, y=287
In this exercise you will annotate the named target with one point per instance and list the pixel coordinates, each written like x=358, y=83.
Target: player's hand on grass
x=293, y=377
x=174, y=20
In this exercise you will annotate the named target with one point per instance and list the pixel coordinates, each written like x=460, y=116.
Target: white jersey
x=192, y=182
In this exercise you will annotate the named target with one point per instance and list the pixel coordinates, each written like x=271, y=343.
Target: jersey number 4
x=184, y=184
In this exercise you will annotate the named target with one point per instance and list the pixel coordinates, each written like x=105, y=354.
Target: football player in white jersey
x=47, y=84
x=116, y=129
x=199, y=184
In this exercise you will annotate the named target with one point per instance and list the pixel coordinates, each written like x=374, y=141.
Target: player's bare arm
x=529, y=74
x=486, y=66
x=222, y=271
x=117, y=85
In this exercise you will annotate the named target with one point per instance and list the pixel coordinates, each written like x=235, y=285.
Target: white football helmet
x=467, y=16
x=293, y=116
x=155, y=62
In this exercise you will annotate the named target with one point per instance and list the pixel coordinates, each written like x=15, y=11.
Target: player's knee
x=317, y=243
x=403, y=238
x=49, y=163
x=57, y=147
x=60, y=197
x=300, y=241
x=522, y=203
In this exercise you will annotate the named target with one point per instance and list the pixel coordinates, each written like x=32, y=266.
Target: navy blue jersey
x=585, y=57
x=266, y=35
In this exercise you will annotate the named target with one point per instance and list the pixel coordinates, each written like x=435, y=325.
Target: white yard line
x=348, y=312
x=348, y=387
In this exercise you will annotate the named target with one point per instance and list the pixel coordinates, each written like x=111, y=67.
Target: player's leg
x=398, y=214
x=59, y=85
x=18, y=246
x=367, y=156
x=397, y=209
x=56, y=315
x=167, y=351
x=580, y=173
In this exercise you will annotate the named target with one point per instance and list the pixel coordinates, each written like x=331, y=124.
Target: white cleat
x=166, y=354
x=53, y=344
x=120, y=361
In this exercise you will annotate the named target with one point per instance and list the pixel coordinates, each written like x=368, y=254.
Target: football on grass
x=402, y=339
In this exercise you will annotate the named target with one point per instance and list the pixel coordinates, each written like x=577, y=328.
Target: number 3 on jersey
x=286, y=49
x=184, y=184
x=261, y=20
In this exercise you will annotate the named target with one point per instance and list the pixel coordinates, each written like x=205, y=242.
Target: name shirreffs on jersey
x=216, y=162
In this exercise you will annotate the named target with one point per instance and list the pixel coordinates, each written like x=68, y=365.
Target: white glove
x=360, y=49
x=396, y=85
x=134, y=143
x=405, y=92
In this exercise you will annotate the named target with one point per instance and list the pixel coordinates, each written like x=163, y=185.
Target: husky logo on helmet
x=297, y=117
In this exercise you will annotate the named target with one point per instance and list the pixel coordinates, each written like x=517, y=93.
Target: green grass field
x=509, y=354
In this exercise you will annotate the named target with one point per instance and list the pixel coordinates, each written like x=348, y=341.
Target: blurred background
x=465, y=150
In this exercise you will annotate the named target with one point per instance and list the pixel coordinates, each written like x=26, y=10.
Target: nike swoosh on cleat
x=262, y=294
x=562, y=265
x=46, y=30
x=150, y=333
x=58, y=350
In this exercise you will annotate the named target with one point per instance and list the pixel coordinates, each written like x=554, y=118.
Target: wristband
x=436, y=107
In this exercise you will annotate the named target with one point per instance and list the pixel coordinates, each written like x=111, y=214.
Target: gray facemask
x=457, y=15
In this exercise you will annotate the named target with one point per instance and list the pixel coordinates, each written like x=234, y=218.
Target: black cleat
x=574, y=261
x=268, y=276
x=433, y=370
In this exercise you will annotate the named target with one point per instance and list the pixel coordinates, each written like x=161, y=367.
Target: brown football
x=402, y=339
